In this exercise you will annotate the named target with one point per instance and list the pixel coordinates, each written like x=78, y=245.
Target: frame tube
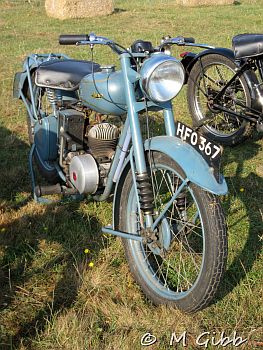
x=115, y=164
x=169, y=121
x=137, y=141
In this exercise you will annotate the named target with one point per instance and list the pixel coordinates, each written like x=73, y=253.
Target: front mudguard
x=190, y=59
x=192, y=163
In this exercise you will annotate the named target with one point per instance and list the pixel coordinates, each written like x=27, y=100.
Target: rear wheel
x=208, y=76
x=185, y=265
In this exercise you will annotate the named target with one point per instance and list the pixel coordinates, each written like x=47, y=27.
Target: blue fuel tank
x=103, y=91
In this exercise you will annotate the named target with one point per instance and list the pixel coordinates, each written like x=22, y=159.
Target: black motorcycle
x=225, y=89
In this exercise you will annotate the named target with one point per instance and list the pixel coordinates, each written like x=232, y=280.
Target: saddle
x=247, y=45
x=64, y=74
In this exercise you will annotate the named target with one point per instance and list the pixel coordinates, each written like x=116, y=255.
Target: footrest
x=108, y=229
x=47, y=190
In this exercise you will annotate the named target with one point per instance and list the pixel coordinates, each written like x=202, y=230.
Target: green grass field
x=53, y=295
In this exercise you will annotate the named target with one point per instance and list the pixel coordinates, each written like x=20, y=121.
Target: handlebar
x=182, y=41
x=189, y=40
x=83, y=39
x=72, y=39
x=179, y=40
x=92, y=39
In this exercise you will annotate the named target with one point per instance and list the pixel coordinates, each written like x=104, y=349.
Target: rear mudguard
x=21, y=80
x=192, y=163
x=190, y=59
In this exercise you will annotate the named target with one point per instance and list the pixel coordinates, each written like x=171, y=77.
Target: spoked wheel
x=183, y=266
x=46, y=168
x=208, y=76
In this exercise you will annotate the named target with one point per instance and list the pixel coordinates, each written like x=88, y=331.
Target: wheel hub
x=210, y=105
x=224, y=100
x=160, y=241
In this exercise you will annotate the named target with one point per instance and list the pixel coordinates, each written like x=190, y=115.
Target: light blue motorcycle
x=86, y=136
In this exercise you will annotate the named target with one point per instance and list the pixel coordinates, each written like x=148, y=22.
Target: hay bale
x=259, y=170
x=205, y=2
x=64, y=9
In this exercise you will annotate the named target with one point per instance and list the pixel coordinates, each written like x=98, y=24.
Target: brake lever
x=180, y=41
x=101, y=39
x=177, y=41
x=96, y=40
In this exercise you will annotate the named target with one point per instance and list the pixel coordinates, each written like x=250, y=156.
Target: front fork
x=140, y=175
x=142, y=181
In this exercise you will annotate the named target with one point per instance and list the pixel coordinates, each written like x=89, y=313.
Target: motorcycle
x=164, y=188
x=224, y=90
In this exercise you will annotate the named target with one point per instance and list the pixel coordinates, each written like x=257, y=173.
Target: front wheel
x=186, y=263
x=208, y=76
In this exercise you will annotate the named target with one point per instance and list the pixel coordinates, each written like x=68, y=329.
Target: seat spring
x=51, y=95
x=58, y=95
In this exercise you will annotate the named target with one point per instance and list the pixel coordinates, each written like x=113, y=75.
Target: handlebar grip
x=189, y=40
x=72, y=39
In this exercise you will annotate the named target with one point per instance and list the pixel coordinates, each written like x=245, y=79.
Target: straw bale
x=64, y=9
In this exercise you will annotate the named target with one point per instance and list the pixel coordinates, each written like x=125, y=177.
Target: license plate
x=210, y=151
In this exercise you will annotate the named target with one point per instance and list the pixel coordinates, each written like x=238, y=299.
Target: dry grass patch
x=205, y=2
x=111, y=312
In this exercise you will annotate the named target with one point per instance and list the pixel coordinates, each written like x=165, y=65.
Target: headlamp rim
x=153, y=62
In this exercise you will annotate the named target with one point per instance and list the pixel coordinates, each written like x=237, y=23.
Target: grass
x=50, y=298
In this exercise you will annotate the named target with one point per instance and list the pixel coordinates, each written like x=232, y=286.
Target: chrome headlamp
x=162, y=77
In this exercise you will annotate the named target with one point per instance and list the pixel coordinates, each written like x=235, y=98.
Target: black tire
x=46, y=169
x=208, y=76
x=184, y=238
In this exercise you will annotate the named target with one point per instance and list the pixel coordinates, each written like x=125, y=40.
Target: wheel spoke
x=210, y=79
x=219, y=73
x=234, y=98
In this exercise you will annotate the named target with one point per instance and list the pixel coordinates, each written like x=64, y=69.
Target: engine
x=86, y=149
x=102, y=140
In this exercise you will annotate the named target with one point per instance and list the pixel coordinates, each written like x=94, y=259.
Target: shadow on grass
x=42, y=264
x=249, y=190
x=41, y=250
x=118, y=10
x=13, y=169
